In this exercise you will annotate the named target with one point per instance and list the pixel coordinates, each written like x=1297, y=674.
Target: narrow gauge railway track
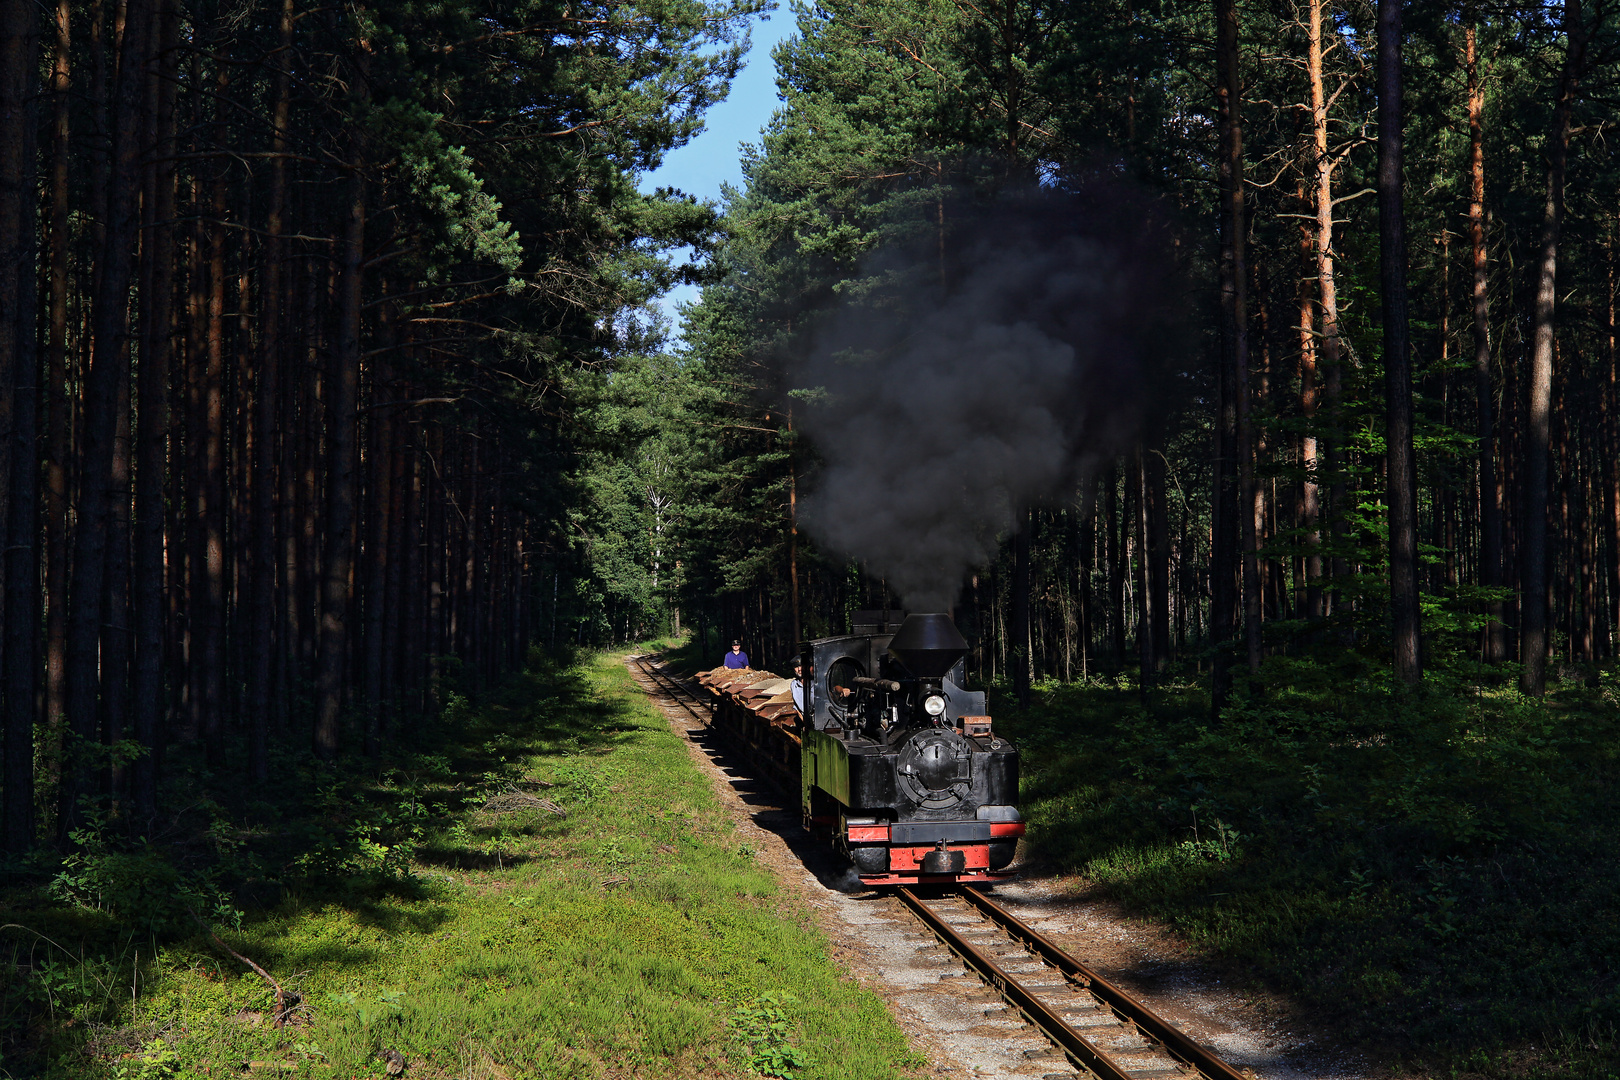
x=675, y=690
x=1100, y=1028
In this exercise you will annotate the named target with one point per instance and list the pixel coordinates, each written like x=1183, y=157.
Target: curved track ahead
x=1102, y=1029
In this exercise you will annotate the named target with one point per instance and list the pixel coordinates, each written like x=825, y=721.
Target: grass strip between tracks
x=637, y=936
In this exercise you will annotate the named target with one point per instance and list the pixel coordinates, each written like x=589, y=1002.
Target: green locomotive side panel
x=807, y=769
x=824, y=764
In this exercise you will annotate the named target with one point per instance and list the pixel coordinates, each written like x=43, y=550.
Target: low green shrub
x=1446, y=852
x=760, y=1029
x=141, y=889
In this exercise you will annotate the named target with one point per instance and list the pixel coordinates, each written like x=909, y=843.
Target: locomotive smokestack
x=928, y=645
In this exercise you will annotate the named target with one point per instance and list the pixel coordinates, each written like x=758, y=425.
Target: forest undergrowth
x=1431, y=872
x=540, y=884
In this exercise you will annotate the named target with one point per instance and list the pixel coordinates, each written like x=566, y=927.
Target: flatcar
x=896, y=764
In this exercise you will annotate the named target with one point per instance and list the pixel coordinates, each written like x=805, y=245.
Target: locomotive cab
x=900, y=766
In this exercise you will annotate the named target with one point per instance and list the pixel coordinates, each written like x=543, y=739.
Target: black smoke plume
x=954, y=391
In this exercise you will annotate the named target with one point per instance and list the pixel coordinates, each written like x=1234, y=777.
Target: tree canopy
x=901, y=123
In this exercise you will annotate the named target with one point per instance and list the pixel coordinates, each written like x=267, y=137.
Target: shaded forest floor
x=542, y=885
x=1434, y=874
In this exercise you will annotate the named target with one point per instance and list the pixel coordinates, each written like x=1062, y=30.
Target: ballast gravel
x=953, y=1019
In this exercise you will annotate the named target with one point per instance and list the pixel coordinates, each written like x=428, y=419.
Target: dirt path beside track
x=953, y=1019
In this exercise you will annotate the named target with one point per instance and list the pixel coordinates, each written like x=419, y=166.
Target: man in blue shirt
x=798, y=684
x=736, y=658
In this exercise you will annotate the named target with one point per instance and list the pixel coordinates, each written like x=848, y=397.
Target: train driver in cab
x=798, y=684
x=736, y=658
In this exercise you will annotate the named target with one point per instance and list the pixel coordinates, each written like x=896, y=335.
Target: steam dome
x=928, y=645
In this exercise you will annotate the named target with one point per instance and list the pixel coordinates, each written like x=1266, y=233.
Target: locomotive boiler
x=899, y=766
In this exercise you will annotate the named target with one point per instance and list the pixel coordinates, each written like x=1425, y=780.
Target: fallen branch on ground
x=287, y=1001
x=513, y=801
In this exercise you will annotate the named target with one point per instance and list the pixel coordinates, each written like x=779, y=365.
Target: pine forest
x=1243, y=378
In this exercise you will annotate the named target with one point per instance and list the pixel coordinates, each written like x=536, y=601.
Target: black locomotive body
x=899, y=765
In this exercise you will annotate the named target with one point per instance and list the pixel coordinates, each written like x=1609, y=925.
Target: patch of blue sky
x=714, y=157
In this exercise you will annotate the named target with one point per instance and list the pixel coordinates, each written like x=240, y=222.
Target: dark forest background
x=1391, y=441
x=297, y=302
x=332, y=378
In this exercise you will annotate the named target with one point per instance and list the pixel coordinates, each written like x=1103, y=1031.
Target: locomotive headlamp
x=934, y=704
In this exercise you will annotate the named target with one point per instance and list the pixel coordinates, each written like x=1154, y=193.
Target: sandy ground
x=952, y=1018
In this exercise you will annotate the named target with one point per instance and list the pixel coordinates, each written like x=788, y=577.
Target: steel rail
x=1085, y=1053
x=1150, y=1023
x=1054, y=1027
x=668, y=683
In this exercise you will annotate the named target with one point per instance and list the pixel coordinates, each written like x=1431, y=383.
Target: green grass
x=1436, y=874
x=638, y=936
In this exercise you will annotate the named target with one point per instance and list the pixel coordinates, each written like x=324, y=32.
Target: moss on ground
x=442, y=909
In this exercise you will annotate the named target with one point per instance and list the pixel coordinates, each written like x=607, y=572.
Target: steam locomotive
x=899, y=766
x=895, y=763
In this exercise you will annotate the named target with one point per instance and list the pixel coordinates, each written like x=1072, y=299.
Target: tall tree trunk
x=1259, y=448
x=374, y=599
x=19, y=43
x=793, y=505
x=1510, y=461
x=472, y=565
x=1330, y=450
x=1145, y=651
x=240, y=457
x=149, y=690
x=102, y=386
x=1490, y=505
x=1158, y=557
x=1327, y=338
x=1611, y=443
x=1402, y=464
x=267, y=411
x=1019, y=630
x=412, y=568
x=1566, y=540
x=208, y=591
x=98, y=144
x=177, y=656
x=436, y=552
x=1087, y=563
x=395, y=584
x=312, y=406
x=1533, y=637
x=19, y=48
x=19, y=28
x=58, y=411
x=343, y=400
x=1588, y=568
x=1115, y=554
x=1231, y=423
x=291, y=567
x=116, y=642
x=193, y=591
x=1308, y=568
